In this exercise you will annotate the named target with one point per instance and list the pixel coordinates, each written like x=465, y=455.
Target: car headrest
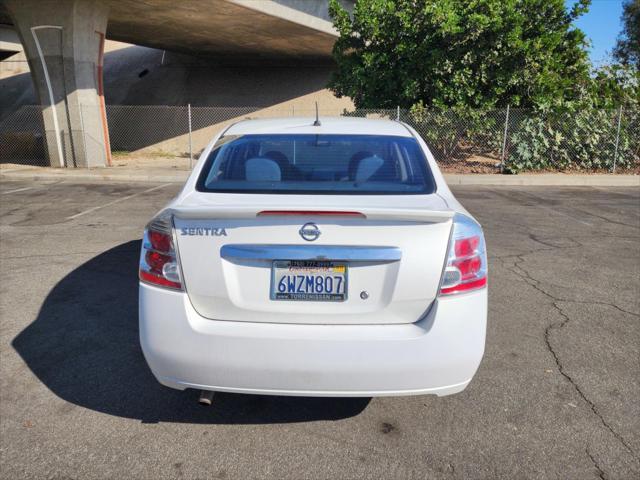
x=262, y=169
x=278, y=156
x=355, y=160
x=367, y=167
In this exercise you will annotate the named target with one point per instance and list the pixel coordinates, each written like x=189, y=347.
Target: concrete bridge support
x=64, y=42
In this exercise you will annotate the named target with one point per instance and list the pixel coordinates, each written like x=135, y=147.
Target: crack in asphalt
x=537, y=284
x=604, y=304
x=596, y=465
x=521, y=272
x=563, y=372
x=520, y=259
x=548, y=243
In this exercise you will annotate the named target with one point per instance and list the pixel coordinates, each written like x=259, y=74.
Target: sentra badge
x=204, y=231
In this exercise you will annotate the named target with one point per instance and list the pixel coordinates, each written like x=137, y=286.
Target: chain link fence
x=508, y=139
x=22, y=137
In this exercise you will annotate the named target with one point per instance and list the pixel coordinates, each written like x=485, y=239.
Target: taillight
x=466, y=268
x=158, y=260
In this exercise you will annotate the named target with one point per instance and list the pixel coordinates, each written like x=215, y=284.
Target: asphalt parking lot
x=556, y=395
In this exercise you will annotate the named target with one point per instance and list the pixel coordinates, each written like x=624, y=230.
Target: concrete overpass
x=64, y=44
x=9, y=42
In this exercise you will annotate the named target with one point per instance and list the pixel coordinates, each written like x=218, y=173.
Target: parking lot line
x=17, y=190
x=93, y=209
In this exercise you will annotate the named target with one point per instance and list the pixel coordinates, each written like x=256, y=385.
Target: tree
x=613, y=86
x=627, y=49
x=459, y=53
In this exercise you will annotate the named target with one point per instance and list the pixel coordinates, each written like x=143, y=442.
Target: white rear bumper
x=437, y=355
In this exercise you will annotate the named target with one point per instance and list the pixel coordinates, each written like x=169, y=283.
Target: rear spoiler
x=418, y=215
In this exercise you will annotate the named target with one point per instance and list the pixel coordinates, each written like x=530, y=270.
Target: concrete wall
x=139, y=76
x=142, y=76
x=135, y=75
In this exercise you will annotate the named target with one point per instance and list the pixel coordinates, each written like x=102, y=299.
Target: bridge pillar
x=64, y=44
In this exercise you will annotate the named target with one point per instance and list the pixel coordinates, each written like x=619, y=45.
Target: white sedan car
x=314, y=260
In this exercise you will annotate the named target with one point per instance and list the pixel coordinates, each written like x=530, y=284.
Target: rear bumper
x=437, y=355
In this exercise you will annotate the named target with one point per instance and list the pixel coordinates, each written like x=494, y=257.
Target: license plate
x=309, y=280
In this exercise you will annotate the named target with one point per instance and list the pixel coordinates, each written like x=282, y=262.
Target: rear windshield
x=322, y=164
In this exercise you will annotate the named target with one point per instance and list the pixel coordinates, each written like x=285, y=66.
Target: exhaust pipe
x=206, y=397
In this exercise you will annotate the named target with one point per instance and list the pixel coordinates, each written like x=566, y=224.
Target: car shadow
x=84, y=347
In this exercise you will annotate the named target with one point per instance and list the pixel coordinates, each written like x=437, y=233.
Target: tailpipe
x=206, y=397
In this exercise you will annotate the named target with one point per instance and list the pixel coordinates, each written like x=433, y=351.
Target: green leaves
x=579, y=139
x=457, y=53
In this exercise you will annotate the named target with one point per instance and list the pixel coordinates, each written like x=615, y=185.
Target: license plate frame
x=278, y=266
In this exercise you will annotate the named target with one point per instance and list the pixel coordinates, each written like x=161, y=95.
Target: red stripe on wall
x=103, y=108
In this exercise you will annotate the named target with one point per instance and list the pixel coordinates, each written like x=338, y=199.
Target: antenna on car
x=317, y=122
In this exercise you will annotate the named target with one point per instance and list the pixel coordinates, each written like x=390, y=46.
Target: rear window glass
x=323, y=164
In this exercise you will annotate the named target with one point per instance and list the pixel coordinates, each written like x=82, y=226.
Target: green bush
x=574, y=140
x=442, y=130
x=455, y=133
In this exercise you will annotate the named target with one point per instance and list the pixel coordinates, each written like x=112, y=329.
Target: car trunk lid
x=390, y=251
